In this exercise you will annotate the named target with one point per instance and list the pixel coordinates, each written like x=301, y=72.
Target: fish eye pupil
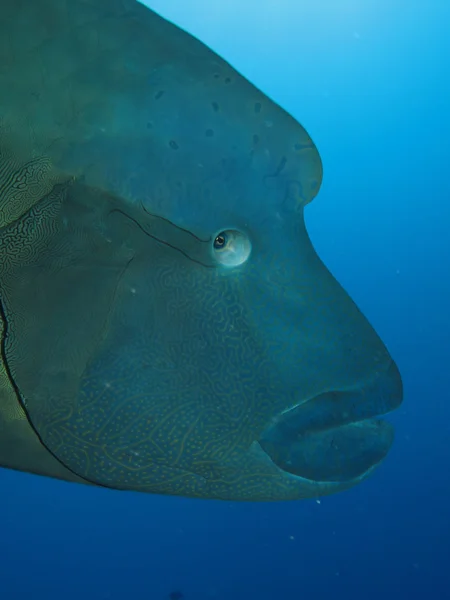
x=220, y=241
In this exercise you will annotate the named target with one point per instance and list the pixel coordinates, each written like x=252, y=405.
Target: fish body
x=166, y=325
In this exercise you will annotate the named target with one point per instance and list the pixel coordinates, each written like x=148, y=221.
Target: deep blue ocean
x=370, y=81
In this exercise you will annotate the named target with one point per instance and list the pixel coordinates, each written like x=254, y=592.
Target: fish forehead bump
x=217, y=127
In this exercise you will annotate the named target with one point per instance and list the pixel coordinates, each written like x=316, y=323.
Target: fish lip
x=375, y=397
x=336, y=455
x=343, y=428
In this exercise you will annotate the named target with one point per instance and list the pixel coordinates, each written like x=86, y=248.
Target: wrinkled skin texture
x=131, y=356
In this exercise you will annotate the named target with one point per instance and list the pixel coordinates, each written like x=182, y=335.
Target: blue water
x=370, y=80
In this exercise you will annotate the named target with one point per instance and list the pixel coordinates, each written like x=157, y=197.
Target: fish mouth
x=337, y=436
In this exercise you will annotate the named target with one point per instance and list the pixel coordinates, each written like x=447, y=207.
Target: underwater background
x=370, y=81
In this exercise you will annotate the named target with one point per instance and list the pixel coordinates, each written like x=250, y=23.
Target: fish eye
x=220, y=241
x=231, y=248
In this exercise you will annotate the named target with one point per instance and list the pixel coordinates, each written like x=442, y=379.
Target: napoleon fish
x=166, y=325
